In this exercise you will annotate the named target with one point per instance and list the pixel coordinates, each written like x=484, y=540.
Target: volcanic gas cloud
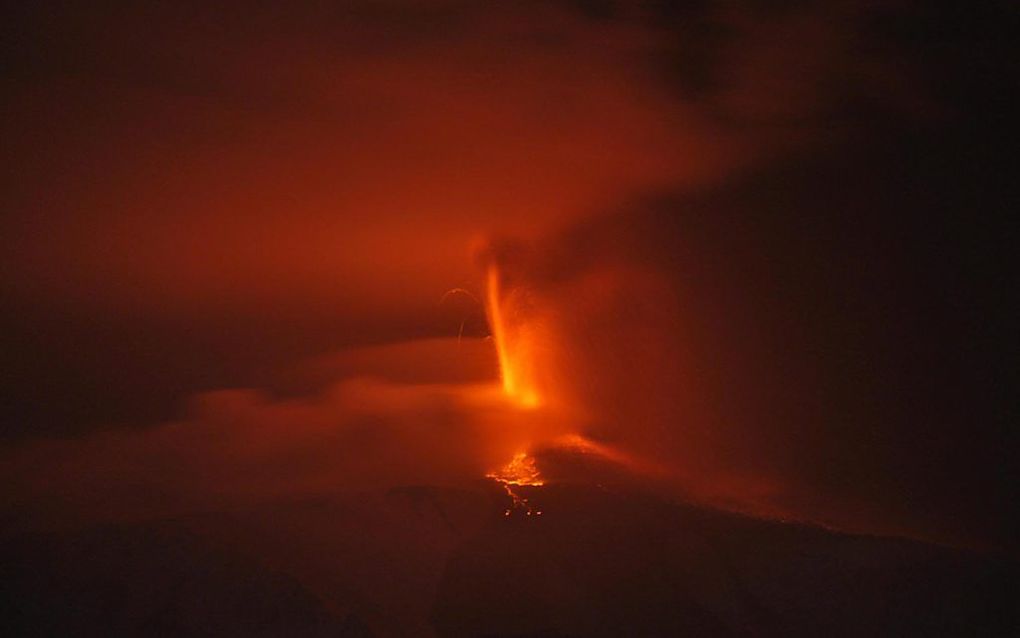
x=739, y=266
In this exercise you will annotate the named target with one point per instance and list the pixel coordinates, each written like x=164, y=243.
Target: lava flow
x=521, y=470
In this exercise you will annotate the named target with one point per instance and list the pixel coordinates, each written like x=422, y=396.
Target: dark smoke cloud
x=824, y=341
x=824, y=335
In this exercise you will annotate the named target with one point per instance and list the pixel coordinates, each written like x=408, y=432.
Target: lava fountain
x=528, y=322
x=514, y=342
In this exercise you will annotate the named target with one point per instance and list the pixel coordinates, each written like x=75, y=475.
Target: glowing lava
x=512, y=345
x=521, y=470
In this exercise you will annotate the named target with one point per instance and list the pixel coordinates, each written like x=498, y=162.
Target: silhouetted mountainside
x=597, y=562
x=151, y=581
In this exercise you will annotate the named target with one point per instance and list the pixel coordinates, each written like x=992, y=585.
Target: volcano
x=607, y=557
x=447, y=318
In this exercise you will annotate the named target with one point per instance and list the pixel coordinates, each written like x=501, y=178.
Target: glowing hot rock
x=521, y=470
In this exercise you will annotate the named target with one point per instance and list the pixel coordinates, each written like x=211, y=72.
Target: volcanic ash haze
x=749, y=261
x=187, y=214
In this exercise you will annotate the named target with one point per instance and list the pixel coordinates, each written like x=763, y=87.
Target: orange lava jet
x=521, y=334
x=513, y=345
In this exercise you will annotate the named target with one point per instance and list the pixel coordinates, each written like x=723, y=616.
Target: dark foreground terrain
x=425, y=561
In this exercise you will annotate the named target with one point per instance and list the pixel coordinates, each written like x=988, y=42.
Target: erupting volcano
x=514, y=347
x=734, y=358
